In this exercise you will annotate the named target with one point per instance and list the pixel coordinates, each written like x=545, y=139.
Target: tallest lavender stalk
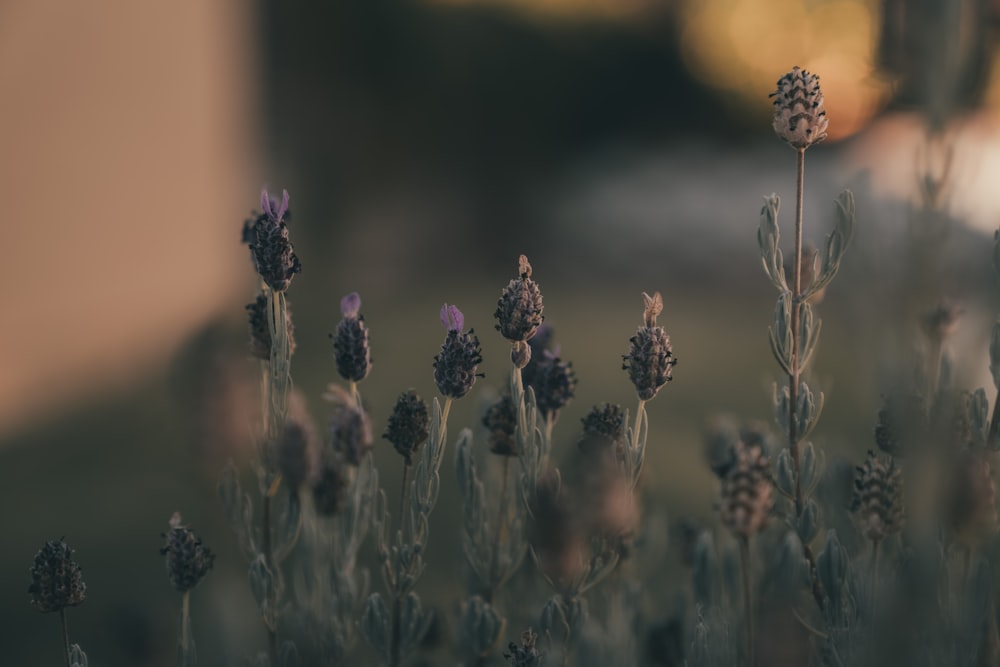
x=800, y=121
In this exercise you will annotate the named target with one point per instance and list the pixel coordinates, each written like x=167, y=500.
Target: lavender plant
x=188, y=561
x=56, y=584
x=266, y=546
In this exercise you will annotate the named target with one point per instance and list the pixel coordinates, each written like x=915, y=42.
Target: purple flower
x=350, y=305
x=276, y=212
x=452, y=318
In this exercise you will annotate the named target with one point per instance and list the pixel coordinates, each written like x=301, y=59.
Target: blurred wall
x=126, y=156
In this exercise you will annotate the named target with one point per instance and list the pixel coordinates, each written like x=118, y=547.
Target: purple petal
x=452, y=318
x=284, y=206
x=265, y=203
x=350, y=305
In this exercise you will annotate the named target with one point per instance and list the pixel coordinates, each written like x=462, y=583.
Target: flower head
x=747, y=492
x=878, y=497
x=188, y=560
x=500, y=421
x=409, y=424
x=455, y=366
x=270, y=249
x=650, y=359
x=56, y=579
x=604, y=428
x=350, y=341
x=519, y=310
x=554, y=383
x=799, y=117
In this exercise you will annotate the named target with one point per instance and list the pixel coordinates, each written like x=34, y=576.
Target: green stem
x=403, y=496
x=65, y=631
x=494, y=579
x=747, y=602
x=794, y=375
x=185, y=641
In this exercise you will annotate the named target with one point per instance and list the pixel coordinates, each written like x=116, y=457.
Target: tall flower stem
x=65, y=632
x=185, y=638
x=747, y=602
x=793, y=376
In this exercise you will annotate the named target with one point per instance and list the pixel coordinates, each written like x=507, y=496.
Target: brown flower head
x=188, y=560
x=878, y=497
x=747, y=492
x=650, y=360
x=271, y=250
x=408, y=425
x=500, y=421
x=519, y=310
x=56, y=579
x=455, y=368
x=799, y=117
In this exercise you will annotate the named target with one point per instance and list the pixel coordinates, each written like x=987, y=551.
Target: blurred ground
x=425, y=146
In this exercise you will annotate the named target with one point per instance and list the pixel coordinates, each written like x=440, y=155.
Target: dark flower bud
x=650, y=359
x=188, y=560
x=799, y=117
x=297, y=450
x=272, y=253
x=350, y=430
x=878, y=501
x=747, y=492
x=455, y=367
x=554, y=383
x=538, y=344
x=260, y=331
x=56, y=579
x=519, y=310
x=350, y=342
x=409, y=425
x=500, y=421
x=329, y=490
x=525, y=654
x=604, y=427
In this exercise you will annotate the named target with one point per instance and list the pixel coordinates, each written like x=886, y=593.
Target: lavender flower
x=188, y=560
x=271, y=251
x=799, y=118
x=350, y=342
x=650, y=359
x=747, y=492
x=500, y=421
x=519, y=312
x=408, y=425
x=455, y=367
x=554, y=383
x=56, y=579
x=604, y=427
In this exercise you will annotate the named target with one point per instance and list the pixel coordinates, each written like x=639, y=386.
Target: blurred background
x=622, y=145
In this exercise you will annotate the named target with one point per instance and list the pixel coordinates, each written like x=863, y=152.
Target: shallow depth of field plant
x=807, y=564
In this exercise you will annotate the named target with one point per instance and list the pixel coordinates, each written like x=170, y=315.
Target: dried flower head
x=272, y=253
x=56, y=579
x=554, y=383
x=519, y=310
x=260, y=331
x=942, y=320
x=409, y=424
x=524, y=654
x=650, y=359
x=188, y=560
x=604, y=428
x=878, y=497
x=972, y=502
x=349, y=431
x=747, y=492
x=799, y=117
x=455, y=367
x=297, y=448
x=350, y=342
x=500, y=421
